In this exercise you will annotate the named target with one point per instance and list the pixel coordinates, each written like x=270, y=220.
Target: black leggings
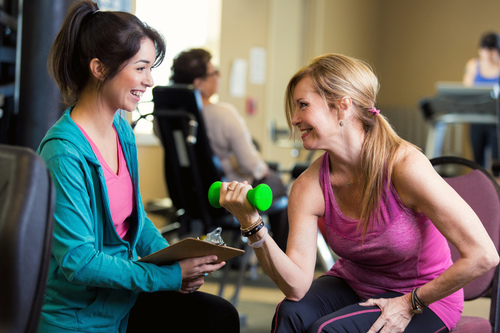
x=331, y=306
x=482, y=137
x=171, y=311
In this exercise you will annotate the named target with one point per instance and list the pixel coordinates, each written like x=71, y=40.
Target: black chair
x=191, y=168
x=480, y=190
x=26, y=223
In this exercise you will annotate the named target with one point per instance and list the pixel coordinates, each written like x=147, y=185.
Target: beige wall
x=244, y=25
x=349, y=27
x=411, y=44
x=151, y=178
x=427, y=41
x=277, y=26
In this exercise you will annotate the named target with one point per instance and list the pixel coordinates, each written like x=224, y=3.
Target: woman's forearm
x=457, y=276
x=290, y=278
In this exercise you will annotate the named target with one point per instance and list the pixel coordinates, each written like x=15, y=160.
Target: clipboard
x=191, y=248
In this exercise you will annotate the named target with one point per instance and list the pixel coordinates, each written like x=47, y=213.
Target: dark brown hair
x=190, y=65
x=87, y=33
x=490, y=41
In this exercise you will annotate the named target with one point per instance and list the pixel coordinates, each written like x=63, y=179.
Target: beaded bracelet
x=252, y=226
x=254, y=230
x=258, y=244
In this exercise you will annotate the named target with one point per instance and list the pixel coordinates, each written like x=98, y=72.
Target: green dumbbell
x=260, y=197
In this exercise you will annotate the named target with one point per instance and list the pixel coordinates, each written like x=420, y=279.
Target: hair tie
x=374, y=111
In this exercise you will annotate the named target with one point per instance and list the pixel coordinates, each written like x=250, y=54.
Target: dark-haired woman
x=102, y=63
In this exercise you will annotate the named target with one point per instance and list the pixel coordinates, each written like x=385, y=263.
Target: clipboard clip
x=214, y=237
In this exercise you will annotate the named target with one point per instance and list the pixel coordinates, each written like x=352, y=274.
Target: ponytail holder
x=374, y=111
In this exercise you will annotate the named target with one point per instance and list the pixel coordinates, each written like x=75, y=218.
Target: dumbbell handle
x=260, y=197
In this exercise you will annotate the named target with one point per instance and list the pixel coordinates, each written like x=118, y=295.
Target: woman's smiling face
x=125, y=90
x=312, y=116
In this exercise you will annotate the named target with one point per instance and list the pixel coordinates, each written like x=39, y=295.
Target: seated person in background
x=102, y=62
x=387, y=212
x=484, y=70
x=228, y=134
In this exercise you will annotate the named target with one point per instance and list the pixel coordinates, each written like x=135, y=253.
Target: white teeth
x=137, y=93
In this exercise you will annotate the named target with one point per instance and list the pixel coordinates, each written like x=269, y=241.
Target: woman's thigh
x=356, y=318
x=171, y=311
x=326, y=295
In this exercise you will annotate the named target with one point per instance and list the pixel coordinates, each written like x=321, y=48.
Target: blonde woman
x=388, y=216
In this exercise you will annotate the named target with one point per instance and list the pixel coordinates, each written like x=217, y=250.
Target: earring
x=341, y=123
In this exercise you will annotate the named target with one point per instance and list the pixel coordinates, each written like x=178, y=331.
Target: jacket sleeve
x=150, y=239
x=77, y=243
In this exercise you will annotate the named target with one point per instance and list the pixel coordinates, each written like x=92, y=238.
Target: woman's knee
x=291, y=317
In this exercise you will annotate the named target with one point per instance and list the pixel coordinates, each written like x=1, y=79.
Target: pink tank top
x=401, y=251
x=120, y=189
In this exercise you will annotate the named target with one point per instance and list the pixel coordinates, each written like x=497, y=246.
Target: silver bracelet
x=258, y=244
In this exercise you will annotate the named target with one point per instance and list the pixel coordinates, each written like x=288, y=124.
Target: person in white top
x=229, y=137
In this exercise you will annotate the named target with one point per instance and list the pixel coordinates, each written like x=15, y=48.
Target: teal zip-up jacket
x=94, y=276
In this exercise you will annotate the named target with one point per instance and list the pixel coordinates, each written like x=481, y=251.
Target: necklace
x=347, y=183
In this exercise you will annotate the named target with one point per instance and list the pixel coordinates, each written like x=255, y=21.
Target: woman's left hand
x=194, y=271
x=191, y=285
x=395, y=316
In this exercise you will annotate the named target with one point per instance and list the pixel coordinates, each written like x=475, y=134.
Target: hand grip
x=260, y=197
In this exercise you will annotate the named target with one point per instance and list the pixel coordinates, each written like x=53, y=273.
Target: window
x=184, y=24
x=120, y=5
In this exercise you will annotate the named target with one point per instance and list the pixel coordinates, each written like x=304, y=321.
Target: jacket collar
x=66, y=129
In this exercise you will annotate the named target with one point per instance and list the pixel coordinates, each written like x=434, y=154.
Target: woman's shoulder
x=222, y=107
x=226, y=116
x=63, y=139
x=306, y=191
x=311, y=176
x=471, y=65
x=412, y=170
x=59, y=148
x=408, y=157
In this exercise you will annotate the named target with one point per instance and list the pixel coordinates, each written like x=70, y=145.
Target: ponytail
x=63, y=63
x=87, y=33
x=377, y=159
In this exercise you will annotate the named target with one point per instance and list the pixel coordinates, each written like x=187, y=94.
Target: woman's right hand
x=233, y=197
x=194, y=271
